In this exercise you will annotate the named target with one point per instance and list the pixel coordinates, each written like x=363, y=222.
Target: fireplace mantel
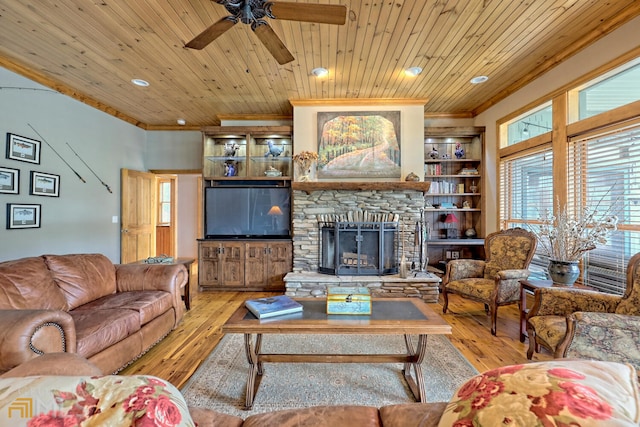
x=310, y=187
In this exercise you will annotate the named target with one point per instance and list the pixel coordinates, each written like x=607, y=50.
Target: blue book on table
x=272, y=306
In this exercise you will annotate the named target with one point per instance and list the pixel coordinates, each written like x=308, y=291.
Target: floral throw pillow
x=576, y=393
x=112, y=400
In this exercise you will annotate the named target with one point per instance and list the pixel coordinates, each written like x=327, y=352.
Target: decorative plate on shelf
x=273, y=172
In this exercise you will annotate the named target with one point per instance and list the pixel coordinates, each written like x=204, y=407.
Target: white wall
x=80, y=220
x=187, y=213
x=600, y=53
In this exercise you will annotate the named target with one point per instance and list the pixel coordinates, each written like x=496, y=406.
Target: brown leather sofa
x=107, y=313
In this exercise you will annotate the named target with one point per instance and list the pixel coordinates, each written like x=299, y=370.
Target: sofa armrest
x=602, y=336
x=27, y=334
x=54, y=364
x=563, y=302
x=155, y=277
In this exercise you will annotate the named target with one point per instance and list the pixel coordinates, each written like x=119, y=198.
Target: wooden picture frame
x=44, y=184
x=23, y=149
x=23, y=216
x=359, y=144
x=9, y=180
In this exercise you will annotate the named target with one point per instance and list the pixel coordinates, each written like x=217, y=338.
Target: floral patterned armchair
x=577, y=323
x=495, y=281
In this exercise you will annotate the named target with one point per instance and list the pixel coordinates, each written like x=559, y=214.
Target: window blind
x=604, y=169
x=526, y=192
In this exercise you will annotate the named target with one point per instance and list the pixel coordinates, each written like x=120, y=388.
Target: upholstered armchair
x=496, y=280
x=584, y=324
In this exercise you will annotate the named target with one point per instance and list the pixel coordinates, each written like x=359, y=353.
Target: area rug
x=220, y=382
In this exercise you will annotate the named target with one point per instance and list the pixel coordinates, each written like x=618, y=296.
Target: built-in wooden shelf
x=309, y=187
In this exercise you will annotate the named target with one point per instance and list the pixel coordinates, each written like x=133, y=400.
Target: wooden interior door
x=138, y=216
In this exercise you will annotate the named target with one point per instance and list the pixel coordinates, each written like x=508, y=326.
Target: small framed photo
x=9, y=180
x=44, y=184
x=23, y=216
x=23, y=148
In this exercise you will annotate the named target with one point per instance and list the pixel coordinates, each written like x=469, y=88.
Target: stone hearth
x=315, y=284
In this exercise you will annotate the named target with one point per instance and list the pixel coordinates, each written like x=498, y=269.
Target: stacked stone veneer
x=424, y=286
x=307, y=208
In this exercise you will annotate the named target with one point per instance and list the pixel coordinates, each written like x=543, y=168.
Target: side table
x=187, y=263
x=529, y=286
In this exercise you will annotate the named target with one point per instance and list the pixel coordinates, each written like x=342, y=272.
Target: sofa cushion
x=97, y=330
x=27, y=284
x=148, y=304
x=82, y=277
x=551, y=330
x=555, y=393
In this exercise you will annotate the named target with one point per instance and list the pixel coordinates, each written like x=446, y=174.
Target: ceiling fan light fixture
x=320, y=72
x=140, y=82
x=412, y=71
x=478, y=79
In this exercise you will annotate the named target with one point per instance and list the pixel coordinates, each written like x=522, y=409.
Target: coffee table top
x=388, y=316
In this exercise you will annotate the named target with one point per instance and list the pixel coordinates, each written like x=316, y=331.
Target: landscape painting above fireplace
x=359, y=144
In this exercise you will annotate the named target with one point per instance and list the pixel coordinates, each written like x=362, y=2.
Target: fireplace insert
x=358, y=248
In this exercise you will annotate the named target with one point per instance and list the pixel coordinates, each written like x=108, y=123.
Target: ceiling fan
x=254, y=11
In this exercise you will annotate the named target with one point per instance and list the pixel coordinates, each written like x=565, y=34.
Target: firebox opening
x=358, y=248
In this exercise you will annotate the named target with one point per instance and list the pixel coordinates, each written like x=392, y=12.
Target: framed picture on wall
x=23, y=148
x=23, y=216
x=9, y=180
x=359, y=144
x=44, y=184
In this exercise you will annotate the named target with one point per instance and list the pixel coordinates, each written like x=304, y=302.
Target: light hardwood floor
x=177, y=356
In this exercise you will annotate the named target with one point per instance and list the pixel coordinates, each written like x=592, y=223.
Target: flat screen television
x=247, y=212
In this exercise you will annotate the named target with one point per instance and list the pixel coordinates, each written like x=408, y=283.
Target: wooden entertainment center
x=247, y=158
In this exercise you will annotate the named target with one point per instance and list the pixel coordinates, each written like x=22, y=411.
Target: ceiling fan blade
x=210, y=34
x=272, y=42
x=321, y=13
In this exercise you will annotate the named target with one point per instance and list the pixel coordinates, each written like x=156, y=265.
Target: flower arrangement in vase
x=565, y=238
x=304, y=160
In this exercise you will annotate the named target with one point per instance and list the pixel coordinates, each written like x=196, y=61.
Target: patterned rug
x=219, y=383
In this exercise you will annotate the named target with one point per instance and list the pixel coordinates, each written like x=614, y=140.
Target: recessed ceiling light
x=182, y=122
x=412, y=71
x=140, y=82
x=478, y=79
x=319, y=72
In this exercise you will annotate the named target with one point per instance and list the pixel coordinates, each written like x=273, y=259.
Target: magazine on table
x=272, y=306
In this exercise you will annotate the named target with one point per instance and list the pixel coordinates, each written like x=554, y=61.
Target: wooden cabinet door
x=279, y=264
x=256, y=264
x=232, y=264
x=209, y=265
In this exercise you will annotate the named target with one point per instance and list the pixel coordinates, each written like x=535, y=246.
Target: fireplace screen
x=358, y=248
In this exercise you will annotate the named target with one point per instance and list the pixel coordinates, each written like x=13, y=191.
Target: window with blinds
x=604, y=168
x=526, y=192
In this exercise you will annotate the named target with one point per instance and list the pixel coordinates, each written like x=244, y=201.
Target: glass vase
x=564, y=273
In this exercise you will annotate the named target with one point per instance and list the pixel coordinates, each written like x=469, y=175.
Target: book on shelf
x=272, y=306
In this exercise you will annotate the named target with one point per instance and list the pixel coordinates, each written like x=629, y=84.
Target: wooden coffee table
x=393, y=316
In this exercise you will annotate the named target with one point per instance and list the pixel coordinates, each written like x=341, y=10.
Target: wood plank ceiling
x=91, y=49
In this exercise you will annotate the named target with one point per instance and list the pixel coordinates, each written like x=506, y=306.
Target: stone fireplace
x=312, y=204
